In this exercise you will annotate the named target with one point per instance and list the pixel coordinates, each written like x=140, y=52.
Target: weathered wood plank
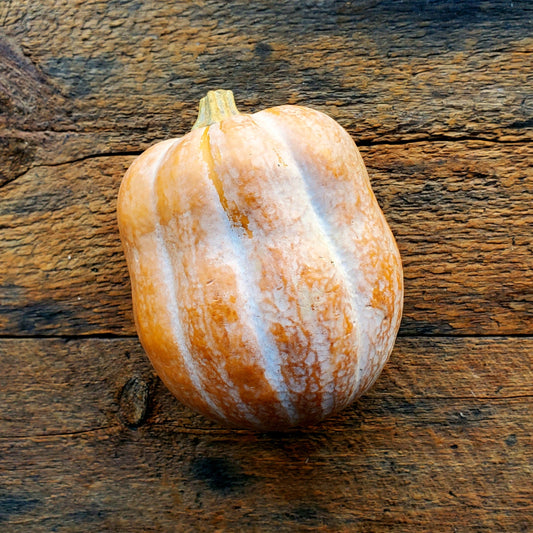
x=461, y=212
x=386, y=70
x=61, y=263
x=382, y=476
x=53, y=386
x=444, y=438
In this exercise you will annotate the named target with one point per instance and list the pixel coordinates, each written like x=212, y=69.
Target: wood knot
x=133, y=402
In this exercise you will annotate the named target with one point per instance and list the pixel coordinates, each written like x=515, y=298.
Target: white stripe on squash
x=323, y=231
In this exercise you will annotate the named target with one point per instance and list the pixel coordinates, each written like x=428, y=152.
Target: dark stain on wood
x=510, y=440
x=71, y=72
x=263, y=50
x=220, y=474
x=91, y=514
x=12, y=505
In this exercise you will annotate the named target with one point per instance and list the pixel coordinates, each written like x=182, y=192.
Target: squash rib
x=268, y=350
x=269, y=123
x=168, y=275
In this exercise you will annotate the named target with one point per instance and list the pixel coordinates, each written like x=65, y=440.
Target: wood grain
x=416, y=449
x=388, y=71
x=461, y=213
x=437, y=95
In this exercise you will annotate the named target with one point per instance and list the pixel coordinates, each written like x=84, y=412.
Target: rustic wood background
x=439, y=97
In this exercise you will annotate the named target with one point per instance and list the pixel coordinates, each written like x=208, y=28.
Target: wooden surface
x=439, y=97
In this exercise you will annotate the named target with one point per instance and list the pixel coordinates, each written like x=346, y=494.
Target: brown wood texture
x=438, y=95
x=461, y=212
x=110, y=449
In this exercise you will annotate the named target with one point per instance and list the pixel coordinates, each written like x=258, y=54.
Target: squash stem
x=214, y=107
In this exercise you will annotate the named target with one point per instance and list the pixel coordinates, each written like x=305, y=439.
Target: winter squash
x=267, y=286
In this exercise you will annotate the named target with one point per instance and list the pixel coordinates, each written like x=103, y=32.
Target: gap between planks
x=360, y=143
x=118, y=337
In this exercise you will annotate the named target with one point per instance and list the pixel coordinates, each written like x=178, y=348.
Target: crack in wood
x=361, y=143
x=73, y=161
x=221, y=431
x=60, y=434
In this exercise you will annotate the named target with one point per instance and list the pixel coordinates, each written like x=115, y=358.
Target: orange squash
x=267, y=286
